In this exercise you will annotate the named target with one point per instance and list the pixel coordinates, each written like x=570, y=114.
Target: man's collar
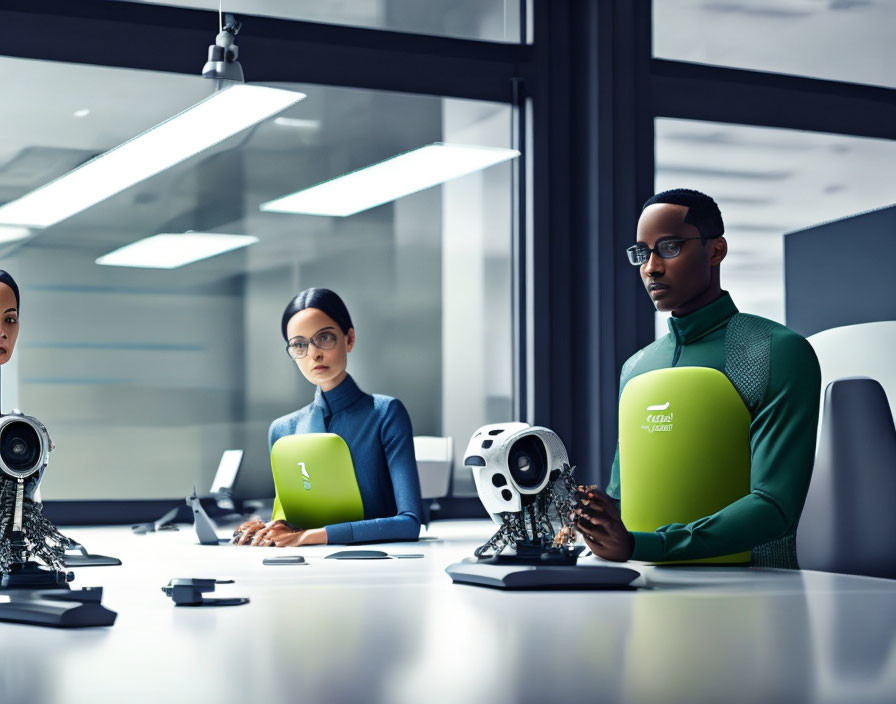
x=712, y=316
x=340, y=398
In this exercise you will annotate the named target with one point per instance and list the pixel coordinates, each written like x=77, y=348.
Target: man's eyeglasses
x=638, y=254
x=297, y=347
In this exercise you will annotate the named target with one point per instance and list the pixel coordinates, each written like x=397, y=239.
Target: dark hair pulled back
x=6, y=278
x=324, y=300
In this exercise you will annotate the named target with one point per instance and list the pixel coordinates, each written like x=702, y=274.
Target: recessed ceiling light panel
x=13, y=233
x=169, y=250
x=390, y=179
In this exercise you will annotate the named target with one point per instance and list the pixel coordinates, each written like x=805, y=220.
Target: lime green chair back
x=684, y=449
x=315, y=481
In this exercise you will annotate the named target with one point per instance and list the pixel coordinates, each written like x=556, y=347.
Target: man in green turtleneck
x=679, y=250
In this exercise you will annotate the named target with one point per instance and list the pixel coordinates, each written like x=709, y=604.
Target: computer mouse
x=359, y=555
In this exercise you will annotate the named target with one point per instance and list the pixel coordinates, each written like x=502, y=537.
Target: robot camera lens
x=528, y=462
x=20, y=447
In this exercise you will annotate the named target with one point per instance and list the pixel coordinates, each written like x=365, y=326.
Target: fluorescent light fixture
x=13, y=234
x=170, y=250
x=390, y=179
x=297, y=123
x=204, y=125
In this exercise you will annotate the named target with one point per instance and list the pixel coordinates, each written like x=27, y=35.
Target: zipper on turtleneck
x=678, y=345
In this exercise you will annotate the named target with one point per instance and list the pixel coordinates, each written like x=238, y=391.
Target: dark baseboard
x=104, y=513
x=459, y=507
x=113, y=512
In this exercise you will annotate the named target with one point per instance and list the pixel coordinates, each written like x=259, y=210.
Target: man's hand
x=598, y=520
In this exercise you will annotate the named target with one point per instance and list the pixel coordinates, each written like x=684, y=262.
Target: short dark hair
x=703, y=213
x=324, y=300
x=6, y=278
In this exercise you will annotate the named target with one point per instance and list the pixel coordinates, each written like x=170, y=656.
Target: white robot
x=524, y=480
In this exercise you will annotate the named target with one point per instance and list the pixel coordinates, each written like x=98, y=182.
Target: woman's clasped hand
x=276, y=534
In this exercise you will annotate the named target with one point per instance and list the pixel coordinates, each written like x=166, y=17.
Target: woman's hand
x=247, y=530
x=600, y=524
x=254, y=530
x=277, y=534
x=265, y=535
x=291, y=539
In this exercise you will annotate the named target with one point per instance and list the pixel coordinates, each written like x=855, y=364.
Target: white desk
x=396, y=631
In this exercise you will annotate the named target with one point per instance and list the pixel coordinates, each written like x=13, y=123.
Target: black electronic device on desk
x=524, y=480
x=188, y=591
x=32, y=550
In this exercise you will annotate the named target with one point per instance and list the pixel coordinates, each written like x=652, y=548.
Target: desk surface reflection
x=397, y=631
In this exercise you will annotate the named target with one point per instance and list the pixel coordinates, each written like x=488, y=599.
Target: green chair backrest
x=684, y=449
x=315, y=481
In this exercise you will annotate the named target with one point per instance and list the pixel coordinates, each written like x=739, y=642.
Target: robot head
x=512, y=463
x=24, y=449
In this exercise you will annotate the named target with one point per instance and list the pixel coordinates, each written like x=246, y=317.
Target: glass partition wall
x=145, y=376
x=769, y=182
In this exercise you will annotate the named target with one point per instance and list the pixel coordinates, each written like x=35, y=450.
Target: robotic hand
x=524, y=480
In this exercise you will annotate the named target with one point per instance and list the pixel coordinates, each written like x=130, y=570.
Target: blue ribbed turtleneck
x=377, y=430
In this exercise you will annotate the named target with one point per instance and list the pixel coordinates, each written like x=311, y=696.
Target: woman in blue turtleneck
x=377, y=429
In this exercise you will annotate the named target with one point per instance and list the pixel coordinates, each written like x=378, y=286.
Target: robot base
x=30, y=575
x=59, y=608
x=523, y=576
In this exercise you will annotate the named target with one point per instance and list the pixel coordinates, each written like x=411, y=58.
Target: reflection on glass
x=768, y=182
x=147, y=375
x=842, y=40
x=400, y=176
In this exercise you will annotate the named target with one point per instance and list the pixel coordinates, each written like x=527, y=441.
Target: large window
x=769, y=182
x=842, y=40
x=144, y=376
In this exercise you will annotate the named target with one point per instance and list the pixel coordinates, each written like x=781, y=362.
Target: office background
x=505, y=294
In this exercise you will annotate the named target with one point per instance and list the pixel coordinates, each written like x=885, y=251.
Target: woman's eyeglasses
x=297, y=347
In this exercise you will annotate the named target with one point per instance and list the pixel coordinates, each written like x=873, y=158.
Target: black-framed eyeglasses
x=638, y=254
x=297, y=347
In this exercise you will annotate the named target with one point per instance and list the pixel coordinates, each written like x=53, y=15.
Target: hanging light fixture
x=233, y=108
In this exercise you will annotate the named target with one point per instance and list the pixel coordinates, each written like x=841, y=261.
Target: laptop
x=225, y=478
x=315, y=481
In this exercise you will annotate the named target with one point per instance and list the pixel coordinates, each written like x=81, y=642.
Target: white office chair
x=435, y=458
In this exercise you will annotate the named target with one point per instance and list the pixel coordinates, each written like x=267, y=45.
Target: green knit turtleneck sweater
x=777, y=374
